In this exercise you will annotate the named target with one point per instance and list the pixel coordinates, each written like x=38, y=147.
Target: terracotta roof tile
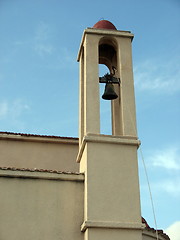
x=145, y=222
x=36, y=135
x=38, y=170
x=160, y=232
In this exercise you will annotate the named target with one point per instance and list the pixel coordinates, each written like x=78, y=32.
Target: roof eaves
x=36, y=135
x=39, y=170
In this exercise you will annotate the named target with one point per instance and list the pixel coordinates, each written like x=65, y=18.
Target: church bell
x=109, y=93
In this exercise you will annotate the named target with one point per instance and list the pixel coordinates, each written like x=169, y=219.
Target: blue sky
x=39, y=42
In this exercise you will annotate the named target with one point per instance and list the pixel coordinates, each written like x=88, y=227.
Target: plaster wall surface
x=111, y=183
x=44, y=206
x=112, y=176
x=115, y=234
x=38, y=152
x=40, y=206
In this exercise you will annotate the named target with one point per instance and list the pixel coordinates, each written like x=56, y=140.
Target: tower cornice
x=104, y=32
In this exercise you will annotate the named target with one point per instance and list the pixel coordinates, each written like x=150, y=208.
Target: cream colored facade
x=41, y=152
x=40, y=204
x=62, y=188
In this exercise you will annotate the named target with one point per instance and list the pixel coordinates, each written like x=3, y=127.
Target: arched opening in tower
x=105, y=106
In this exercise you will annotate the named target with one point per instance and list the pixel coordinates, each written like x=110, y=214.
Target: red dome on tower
x=104, y=24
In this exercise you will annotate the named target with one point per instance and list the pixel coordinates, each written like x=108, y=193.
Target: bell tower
x=109, y=162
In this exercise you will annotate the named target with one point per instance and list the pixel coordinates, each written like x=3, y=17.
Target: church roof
x=39, y=170
x=36, y=135
x=152, y=230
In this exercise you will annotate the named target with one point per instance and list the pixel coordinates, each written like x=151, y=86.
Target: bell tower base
x=111, y=197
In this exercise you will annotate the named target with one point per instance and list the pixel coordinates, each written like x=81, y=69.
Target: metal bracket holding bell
x=108, y=78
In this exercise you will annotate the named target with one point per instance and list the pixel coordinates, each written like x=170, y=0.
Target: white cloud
x=12, y=109
x=158, y=75
x=168, y=158
x=63, y=59
x=17, y=108
x=165, y=163
x=42, y=32
x=174, y=231
x=12, y=115
x=21, y=42
x=42, y=49
x=41, y=42
x=3, y=109
x=169, y=186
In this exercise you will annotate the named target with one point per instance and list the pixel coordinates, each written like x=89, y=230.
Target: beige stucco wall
x=110, y=167
x=23, y=151
x=40, y=206
x=44, y=206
